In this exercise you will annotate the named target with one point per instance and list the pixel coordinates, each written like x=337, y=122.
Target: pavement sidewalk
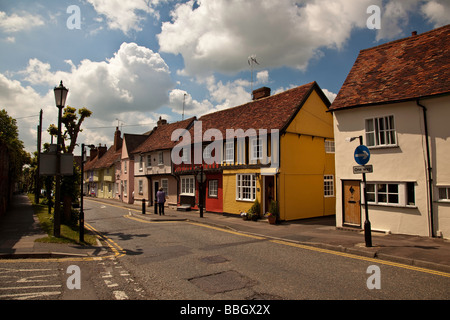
x=19, y=229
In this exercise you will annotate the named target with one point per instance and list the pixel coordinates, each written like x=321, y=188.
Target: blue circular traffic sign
x=362, y=155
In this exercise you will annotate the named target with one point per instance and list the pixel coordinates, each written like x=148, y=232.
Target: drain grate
x=222, y=282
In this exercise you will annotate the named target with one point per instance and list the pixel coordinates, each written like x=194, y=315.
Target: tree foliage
x=72, y=122
x=9, y=137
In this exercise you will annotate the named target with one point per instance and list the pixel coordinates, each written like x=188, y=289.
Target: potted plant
x=272, y=214
x=253, y=212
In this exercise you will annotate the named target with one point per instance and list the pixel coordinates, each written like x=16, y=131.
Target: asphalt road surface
x=188, y=261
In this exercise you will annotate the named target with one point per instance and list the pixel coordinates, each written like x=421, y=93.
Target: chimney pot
x=261, y=93
x=414, y=33
x=161, y=122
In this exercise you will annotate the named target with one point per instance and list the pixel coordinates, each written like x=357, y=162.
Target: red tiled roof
x=132, y=141
x=406, y=69
x=108, y=159
x=160, y=138
x=89, y=165
x=273, y=112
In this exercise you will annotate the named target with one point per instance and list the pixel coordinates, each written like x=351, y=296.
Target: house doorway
x=352, y=202
x=269, y=192
x=155, y=190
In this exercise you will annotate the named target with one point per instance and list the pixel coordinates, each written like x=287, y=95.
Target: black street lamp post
x=60, y=99
x=83, y=153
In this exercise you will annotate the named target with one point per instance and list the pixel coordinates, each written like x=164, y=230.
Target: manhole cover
x=214, y=259
x=222, y=282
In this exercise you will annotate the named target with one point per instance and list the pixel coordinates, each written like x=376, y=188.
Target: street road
x=187, y=260
x=184, y=260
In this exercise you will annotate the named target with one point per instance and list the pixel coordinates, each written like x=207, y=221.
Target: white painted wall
x=405, y=162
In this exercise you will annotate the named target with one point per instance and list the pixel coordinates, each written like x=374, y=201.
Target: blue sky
x=134, y=61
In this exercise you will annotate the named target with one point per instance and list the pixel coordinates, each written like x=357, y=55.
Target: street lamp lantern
x=60, y=95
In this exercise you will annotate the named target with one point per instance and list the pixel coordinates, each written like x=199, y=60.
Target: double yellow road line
x=116, y=249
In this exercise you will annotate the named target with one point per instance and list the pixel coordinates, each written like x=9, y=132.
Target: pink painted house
x=125, y=172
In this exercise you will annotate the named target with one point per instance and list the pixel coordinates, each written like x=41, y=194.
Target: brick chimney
x=117, y=140
x=101, y=150
x=414, y=33
x=261, y=93
x=161, y=122
x=93, y=153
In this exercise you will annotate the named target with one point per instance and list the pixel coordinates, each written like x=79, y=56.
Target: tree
x=70, y=184
x=73, y=127
x=12, y=155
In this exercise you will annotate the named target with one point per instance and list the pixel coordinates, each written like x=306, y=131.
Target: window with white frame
x=256, y=146
x=187, y=185
x=246, y=187
x=125, y=188
x=149, y=161
x=328, y=186
x=141, y=187
x=207, y=152
x=141, y=163
x=213, y=186
x=396, y=194
x=380, y=132
x=161, y=158
x=229, y=151
x=165, y=186
x=444, y=193
x=329, y=146
x=185, y=156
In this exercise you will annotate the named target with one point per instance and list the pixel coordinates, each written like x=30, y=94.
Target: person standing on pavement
x=161, y=199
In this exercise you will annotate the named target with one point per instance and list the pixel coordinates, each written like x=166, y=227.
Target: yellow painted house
x=100, y=170
x=282, y=150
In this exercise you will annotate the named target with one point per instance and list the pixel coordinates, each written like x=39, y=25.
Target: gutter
x=429, y=169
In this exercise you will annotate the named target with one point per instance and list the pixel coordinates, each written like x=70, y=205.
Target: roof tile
x=405, y=69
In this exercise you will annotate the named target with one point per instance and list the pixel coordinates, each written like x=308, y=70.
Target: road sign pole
x=362, y=156
x=367, y=227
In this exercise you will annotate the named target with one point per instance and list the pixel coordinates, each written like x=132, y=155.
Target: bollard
x=143, y=206
x=156, y=207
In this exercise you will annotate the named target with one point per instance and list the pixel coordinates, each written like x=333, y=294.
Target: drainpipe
x=429, y=169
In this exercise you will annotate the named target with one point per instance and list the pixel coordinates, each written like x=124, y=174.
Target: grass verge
x=69, y=233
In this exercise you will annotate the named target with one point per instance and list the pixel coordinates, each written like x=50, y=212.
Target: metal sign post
x=362, y=157
x=201, y=178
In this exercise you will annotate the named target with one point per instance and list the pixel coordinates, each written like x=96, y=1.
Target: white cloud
x=179, y=98
x=16, y=23
x=395, y=16
x=437, y=12
x=130, y=86
x=262, y=76
x=330, y=95
x=134, y=79
x=219, y=35
x=125, y=15
x=24, y=103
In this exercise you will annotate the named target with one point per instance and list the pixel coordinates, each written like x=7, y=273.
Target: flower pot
x=272, y=219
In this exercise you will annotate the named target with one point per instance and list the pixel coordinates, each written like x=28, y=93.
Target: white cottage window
x=380, y=132
x=246, y=187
